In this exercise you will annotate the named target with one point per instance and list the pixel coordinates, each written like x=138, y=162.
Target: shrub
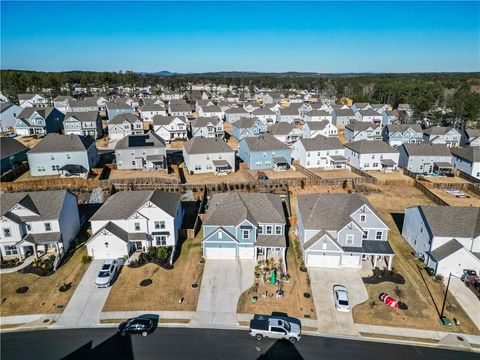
x=163, y=254
x=344, y=184
x=86, y=259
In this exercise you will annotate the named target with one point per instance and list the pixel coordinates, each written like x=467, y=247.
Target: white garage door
x=351, y=260
x=245, y=253
x=323, y=260
x=107, y=247
x=221, y=253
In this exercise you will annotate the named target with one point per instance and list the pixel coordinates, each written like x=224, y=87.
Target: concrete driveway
x=330, y=320
x=86, y=304
x=466, y=298
x=223, y=282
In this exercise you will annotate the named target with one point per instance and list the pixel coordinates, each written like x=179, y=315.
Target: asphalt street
x=189, y=343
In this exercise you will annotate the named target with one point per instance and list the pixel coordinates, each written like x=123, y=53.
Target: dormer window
x=137, y=226
x=245, y=234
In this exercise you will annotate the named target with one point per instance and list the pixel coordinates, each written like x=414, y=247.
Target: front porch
x=39, y=245
x=271, y=247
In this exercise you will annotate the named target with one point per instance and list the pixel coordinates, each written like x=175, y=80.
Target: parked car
x=136, y=326
x=262, y=176
x=468, y=272
x=275, y=327
x=472, y=281
x=107, y=273
x=340, y=295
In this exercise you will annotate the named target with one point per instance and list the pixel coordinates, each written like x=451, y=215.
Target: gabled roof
x=5, y=106
x=160, y=120
x=230, y=209
x=370, y=147
x=344, y=112
x=47, y=204
x=266, y=142
x=452, y=221
x=361, y=126
x=317, y=125
x=472, y=133
x=152, y=107
x=391, y=128
x=320, y=143
x=124, y=204
x=44, y=112
x=437, y=130
x=318, y=113
x=10, y=146
x=87, y=102
x=179, y=106
x=121, y=118
x=263, y=111
x=281, y=128
x=245, y=122
x=236, y=111
x=470, y=154
x=290, y=111
x=118, y=105
x=62, y=143
x=369, y=112
x=203, y=121
x=83, y=116
x=446, y=250
x=201, y=145
x=212, y=108
x=27, y=96
x=426, y=149
x=148, y=140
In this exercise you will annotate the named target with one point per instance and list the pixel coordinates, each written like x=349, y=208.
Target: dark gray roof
x=245, y=122
x=152, y=107
x=361, y=104
x=344, y=112
x=161, y=120
x=83, y=116
x=472, y=133
x=46, y=204
x=371, y=247
x=230, y=209
x=317, y=125
x=391, y=128
x=87, y=102
x=121, y=118
x=212, y=108
x=148, y=140
x=361, y=126
x=470, y=154
x=426, y=149
x=180, y=107
x=123, y=204
x=118, y=105
x=201, y=145
x=281, y=128
x=265, y=142
x=319, y=143
x=203, y=121
x=43, y=238
x=62, y=143
x=63, y=98
x=5, y=106
x=437, y=130
x=368, y=112
x=370, y=147
x=445, y=250
x=263, y=111
x=26, y=96
x=44, y=112
x=9, y=147
x=452, y=221
x=236, y=111
x=317, y=214
x=271, y=241
x=289, y=112
x=318, y=113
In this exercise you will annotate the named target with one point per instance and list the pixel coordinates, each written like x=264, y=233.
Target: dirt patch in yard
x=334, y=174
x=43, y=295
x=211, y=178
x=129, y=174
x=167, y=288
x=472, y=200
x=294, y=302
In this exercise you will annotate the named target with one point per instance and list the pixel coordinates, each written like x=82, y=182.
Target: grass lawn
x=473, y=200
x=422, y=294
x=43, y=296
x=293, y=303
x=27, y=176
x=168, y=285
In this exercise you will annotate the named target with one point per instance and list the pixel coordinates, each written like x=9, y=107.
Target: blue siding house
x=114, y=109
x=265, y=152
x=248, y=127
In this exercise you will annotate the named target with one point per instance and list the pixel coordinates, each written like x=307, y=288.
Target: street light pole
x=445, y=297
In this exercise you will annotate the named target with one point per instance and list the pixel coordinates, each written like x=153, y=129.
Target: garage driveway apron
x=86, y=304
x=331, y=320
x=223, y=282
x=466, y=298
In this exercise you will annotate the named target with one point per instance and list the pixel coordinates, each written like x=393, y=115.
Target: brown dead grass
x=473, y=200
x=211, y=178
x=29, y=141
x=334, y=174
x=124, y=174
x=177, y=144
x=445, y=180
x=394, y=175
x=272, y=174
x=168, y=285
x=43, y=296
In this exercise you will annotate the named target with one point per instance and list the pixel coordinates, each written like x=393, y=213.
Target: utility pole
x=443, y=319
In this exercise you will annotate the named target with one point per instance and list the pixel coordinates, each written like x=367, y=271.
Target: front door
x=138, y=246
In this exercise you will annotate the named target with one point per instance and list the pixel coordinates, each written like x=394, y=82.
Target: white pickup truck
x=276, y=327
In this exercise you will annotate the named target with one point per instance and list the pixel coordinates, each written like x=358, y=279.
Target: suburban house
x=371, y=155
x=289, y=115
x=323, y=128
x=207, y=127
x=148, y=111
x=208, y=155
x=211, y=111
x=381, y=108
x=86, y=105
x=285, y=132
x=266, y=115
x=470, y=137
x=425, y=158
x=343, y=117
x=123, y=125
x=8, y=116
x=244, y=226
x=201, y=103
x=252, y=106
x=113, y=109
x=390, y=117
x=62, y=103
x=88, y=123
x=170, y=128
x=396, y=135
x=38, y=223
x=39, y=121
x=234, y=114
x=144, y=152
x=405, y=109
x=12, y=152
x=248, y=127
x=361, y=106
x=320, y=152
x=443, y=135
x=179, y=108
x=265, y=152
x=467, y=160
x=132, y=221
x=65, y=155
x=445, y=238
x=363, y=131
x=369, y=116
x=343, y=238
x=318, y=115
x=31, y=100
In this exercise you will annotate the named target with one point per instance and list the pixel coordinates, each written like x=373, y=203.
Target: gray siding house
x=39, y=121
x=425, y=158
x=443, y=135
x=396, y=135
x=143, y=152
x=85, y=123
x=210, y=126
x=123, y=125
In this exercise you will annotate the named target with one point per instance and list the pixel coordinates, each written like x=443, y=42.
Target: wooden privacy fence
x=437, y=200
x=14, y=173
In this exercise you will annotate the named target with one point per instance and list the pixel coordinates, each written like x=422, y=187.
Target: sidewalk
x=25, y=263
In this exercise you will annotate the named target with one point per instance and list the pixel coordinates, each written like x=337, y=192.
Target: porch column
x=35, y=251
x=389, y=262
x=57, y=249
x=264, y=253
x=374, y=261
x=284, y=262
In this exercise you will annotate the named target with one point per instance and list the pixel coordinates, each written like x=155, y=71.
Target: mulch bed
x=150, y=257
x=380, y=276
x=8, y=264
x=30, y=269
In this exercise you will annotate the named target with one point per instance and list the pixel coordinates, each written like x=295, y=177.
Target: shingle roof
x=204, y=121
x=121, y=118
x=42, y=111
x=47, y=204
x=370, y=147
x=361, y=126
x=201, y=145
x=320, y=142
x=437, y=130
x=62, y=143
x=368, y=112
x=446, y=250
x=118, y=105
x=263, y=111
x=371, y=247
x=472, y=133
x=471, y=154
x=148, y=140
x=281, y=128
x=211, y=108
x=83, y=103
x=83, y=116
x=9, y=146
x=289, y=112
x=318, y=113
x=245, y=122
x=180, y=107
x=236, y=111
x=123, y=204
x=152, y=107
x=161, y=120
x=317, y=125
x=391, y=128
x=452, y=221
x=5, y=106
x=266, y=142
x=25, y=96
x=344, y=112
x=230, y=209
x=426, y=149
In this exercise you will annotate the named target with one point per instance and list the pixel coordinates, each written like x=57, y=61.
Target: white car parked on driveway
x=107, y=273
x=341, y=298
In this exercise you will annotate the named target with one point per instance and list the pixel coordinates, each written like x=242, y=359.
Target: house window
x=161, y=240
x=363, y=218
x=159, y=225
x=48, y=227
x=55, y=167
x=68, y=156
x=278, y=230
x=366, y=165
x=245, y=234
x=198, y=167
x=324, y=245
x=378, y=235
x=375, y=165
x=269, y=229
x=220, y=234
x=137, y=226
x=10, y=250
x=29, y=227
x=349, y=239
x=258, y=164
x=6, y=232
x=365, y=235
x=260, y=230
x=52, y=157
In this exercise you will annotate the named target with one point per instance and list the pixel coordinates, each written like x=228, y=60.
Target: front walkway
x=223, y=282
x=25, y=263
x=86, y=304
x=330, y=320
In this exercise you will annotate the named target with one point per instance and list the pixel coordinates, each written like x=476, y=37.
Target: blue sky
x=220, y=36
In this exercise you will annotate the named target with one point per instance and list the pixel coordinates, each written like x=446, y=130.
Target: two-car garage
x=220, y=253
x=332, y=260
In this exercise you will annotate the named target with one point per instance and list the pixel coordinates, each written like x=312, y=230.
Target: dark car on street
x=136, y=326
